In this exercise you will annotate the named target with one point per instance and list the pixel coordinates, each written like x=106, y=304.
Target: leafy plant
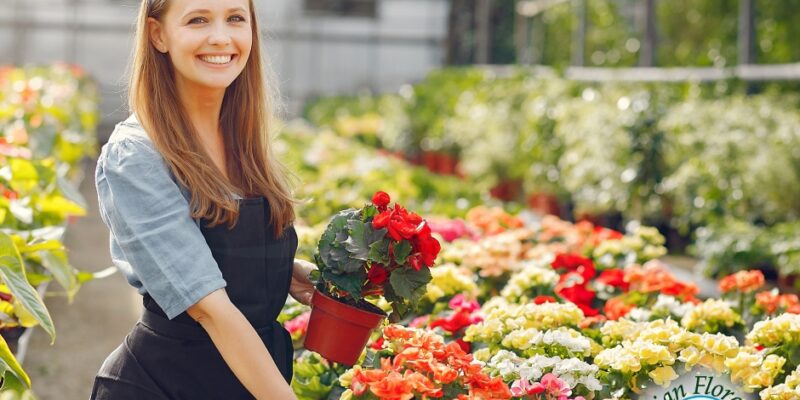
x=376, y=250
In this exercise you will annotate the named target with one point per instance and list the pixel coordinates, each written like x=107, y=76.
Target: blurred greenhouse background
x=682, y=115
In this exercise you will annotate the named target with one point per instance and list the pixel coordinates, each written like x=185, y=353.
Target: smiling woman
x=195, y=154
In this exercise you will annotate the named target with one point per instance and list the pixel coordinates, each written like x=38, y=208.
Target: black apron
x=176, y=359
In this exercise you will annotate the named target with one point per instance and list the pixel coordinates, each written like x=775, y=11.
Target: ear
x=156, y=34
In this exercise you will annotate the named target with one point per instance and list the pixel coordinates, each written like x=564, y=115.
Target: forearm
x=245, y=353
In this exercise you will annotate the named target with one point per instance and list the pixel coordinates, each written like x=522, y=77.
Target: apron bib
x=176, y=359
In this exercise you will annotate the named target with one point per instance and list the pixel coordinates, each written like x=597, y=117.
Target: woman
x=200, y=213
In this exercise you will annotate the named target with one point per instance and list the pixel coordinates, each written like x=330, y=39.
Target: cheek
x=244, y=43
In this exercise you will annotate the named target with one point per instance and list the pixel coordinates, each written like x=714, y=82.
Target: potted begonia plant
x=376, y=250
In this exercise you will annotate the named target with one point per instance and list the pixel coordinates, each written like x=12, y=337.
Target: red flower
x=377, y=274
x=453, y=323
x=381, y=220
x=580, y=296
x=588, y=311
x=381, y=199
x=467, y=347
x=428, y=248
x=544, y=299
x=415, y=262
x=378, y=344
x=574, y=263
x=577, y=294
x=401, y=226
x=570, y=262
x=614, y=277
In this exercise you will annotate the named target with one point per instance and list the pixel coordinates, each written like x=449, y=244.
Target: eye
x=196, y=19
x=237, y=18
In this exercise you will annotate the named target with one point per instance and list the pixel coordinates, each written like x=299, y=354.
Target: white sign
x=699, y=384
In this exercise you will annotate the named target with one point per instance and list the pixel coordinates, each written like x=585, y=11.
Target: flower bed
x=559, y=310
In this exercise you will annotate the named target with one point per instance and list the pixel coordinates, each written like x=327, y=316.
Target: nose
x=219, y=35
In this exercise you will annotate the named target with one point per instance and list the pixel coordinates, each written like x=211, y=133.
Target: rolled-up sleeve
x=151, y=223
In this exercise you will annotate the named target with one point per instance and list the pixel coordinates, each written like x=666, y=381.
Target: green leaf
x=406, y=281
x=401, y=251
x=350, y=283
x=24, y=175
x=57, y=263
x=357, y=244
x=46, y=245
x=9, y=363
x=12, y=273
x=379, y=251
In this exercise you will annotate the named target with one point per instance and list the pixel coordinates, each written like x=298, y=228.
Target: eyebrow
x=206, y=11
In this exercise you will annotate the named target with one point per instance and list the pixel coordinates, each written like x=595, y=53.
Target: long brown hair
x=245, y=119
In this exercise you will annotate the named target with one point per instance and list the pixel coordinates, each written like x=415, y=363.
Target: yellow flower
x=793, y=380
x=776, y=331
x=780, y=392
x=483, y=354
x=449, y=280
x=663, y=375
x=690, y=356
x=650, y=353
x=618, y=358
x=533, y=274
x=709, y=315
x=346, y=378
x=719, y=344
x=743, y=365
x=522, y=339
x=773, y=364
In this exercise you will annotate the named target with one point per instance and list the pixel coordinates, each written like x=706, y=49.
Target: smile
x=218, y=60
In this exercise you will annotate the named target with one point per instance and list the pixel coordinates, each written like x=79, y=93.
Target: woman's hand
x=302, y=288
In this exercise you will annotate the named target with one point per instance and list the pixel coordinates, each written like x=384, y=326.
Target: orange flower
x=767, y=301
x=422, y=364
x=743, y=281
x=655, y=277
x=771, y=302
x=492, y=220
x=589, y=321
x=392, y=387
x=616, y=308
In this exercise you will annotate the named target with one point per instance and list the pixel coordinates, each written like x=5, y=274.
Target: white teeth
x=217, y=59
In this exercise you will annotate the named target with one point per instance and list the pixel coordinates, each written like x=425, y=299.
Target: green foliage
x=47, y=126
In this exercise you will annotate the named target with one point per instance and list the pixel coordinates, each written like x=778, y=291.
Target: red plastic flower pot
x=337, y=331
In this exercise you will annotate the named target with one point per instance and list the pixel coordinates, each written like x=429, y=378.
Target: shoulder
x=128, y=139
x=130, y=129
x=130, y=155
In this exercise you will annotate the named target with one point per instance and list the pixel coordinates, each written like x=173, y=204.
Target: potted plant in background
x=376, y=250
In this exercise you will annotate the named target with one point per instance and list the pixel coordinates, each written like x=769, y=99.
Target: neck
x=203, y=106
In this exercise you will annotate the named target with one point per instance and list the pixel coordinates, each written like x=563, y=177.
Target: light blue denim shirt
x=154, y=241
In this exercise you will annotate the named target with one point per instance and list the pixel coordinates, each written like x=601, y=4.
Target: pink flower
x=524, y=387
x=419, y=322
x=298, y=325
x=460, y=302
x=555, y=387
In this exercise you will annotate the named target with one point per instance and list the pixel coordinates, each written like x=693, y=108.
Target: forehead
x=185, y=6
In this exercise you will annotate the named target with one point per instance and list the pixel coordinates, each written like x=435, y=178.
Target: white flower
x=640, y=314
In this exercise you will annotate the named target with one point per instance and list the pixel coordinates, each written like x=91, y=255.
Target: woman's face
x=208, y=41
